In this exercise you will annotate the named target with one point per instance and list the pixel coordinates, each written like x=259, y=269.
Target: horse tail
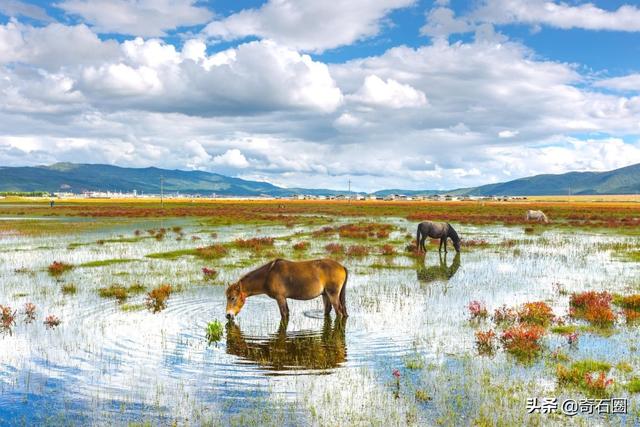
x=418, y=238
x=343, y=292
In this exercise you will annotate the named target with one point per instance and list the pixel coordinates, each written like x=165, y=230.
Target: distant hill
x=77, y=178
x=625, y=180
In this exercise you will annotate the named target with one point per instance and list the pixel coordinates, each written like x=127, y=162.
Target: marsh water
x=113, y=363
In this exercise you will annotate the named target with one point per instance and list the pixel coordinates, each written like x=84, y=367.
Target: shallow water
x=103, y=365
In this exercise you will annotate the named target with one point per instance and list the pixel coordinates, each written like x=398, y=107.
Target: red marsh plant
x=535, y=313
x=587, y=375
x=382, y=234
x=599, y=383
x=631, y=316
x=56, y=268
x=357, y=251
x=485, y=341
x=352, y=231
x=630, y=305
x=301, y=246
x=522, y=341
x=630, y=301
x=477, y=243
x=209, y=273
x=118, y=292
x=256, y=244
x=211, y=252
x=7, y=318
x=413, y=250
x=29, y=312
x=477, y=310
x=504, y=314
x=334, y=248
x=572, y=338
x=600, y=316
x=364, y=231
x=51, y=321
x=387, y=250
x=396, y=376
x=156, y=299
x=324, y=231
x=594, y=307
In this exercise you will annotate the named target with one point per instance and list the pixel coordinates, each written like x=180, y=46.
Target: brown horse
x=302, y=280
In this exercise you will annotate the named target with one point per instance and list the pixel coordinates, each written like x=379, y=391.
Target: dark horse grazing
x=302, y=280
x=437, y=230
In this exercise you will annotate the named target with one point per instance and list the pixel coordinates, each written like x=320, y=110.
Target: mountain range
x=78, y=178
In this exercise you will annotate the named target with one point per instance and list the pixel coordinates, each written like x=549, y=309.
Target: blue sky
x=392, y=93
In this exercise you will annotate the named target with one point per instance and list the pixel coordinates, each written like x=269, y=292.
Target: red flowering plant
x=536, y=313
x=209, y=273
x=504, y=314
x=29, y=312
x=477, y=310
x=51, y=321
x=485, y=342
x=598, y=384
x=7, y=318
x=396, y=375
x=594, y=307
x=522, y=341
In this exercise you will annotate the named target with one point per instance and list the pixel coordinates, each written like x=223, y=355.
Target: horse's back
x=433, y=229
x=311, y=275
x=535, y=214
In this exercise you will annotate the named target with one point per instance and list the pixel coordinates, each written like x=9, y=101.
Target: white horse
x=538, y=216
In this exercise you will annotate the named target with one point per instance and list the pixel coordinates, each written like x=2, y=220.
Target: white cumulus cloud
x=629, y=82
x=559, y=14
x=507, y=133
x=389, y=93
x=233, y=158
x=309, y=25
x=149, y=18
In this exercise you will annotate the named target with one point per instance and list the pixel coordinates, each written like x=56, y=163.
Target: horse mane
x=260, y=270
x=452, y=233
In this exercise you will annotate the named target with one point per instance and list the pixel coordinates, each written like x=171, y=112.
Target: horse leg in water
x=422, y=246
x=284, y=308
x=334, y=297
x=327, y=303
x=445, y=245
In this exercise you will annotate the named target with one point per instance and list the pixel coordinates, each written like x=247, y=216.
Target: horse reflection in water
x=440, y=271
x=298, y=350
